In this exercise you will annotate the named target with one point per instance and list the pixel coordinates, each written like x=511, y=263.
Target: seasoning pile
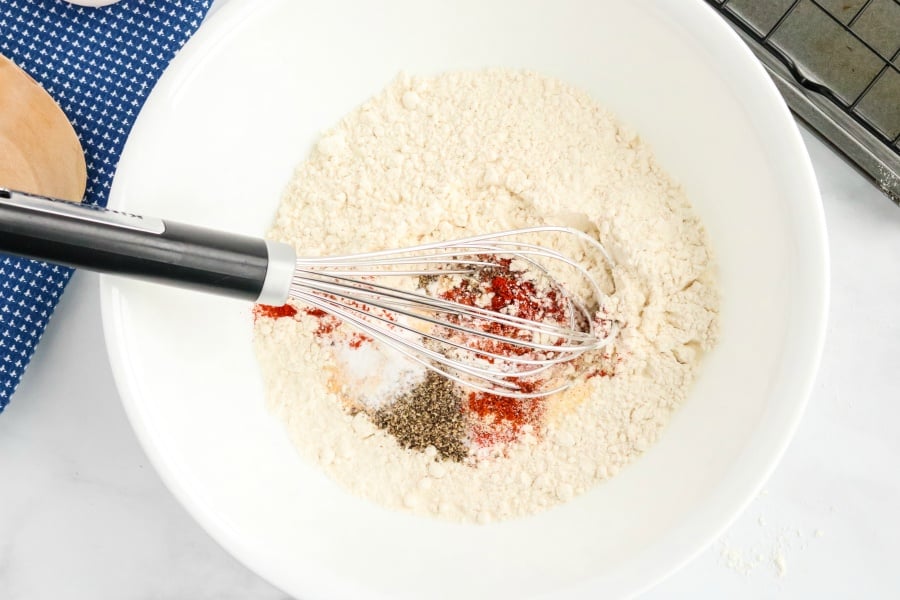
x=462, y=154
x=426, y=408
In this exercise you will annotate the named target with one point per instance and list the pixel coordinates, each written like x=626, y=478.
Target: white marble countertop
x=83, y=516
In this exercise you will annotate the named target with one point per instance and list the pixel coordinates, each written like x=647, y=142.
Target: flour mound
x=475, y=152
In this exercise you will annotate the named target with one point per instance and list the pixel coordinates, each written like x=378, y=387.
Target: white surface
x=84, y=517
x=197, y=404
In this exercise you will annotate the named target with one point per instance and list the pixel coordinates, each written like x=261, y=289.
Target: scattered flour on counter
x=769, y=549
x=770, y=553
x=780, y=563
x=464, y=153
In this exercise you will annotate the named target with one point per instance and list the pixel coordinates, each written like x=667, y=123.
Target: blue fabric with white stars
x=99, y=64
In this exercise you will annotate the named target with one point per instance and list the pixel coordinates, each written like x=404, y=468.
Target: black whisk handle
x=116, y=243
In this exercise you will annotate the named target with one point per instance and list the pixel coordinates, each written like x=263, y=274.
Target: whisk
x=497, y=352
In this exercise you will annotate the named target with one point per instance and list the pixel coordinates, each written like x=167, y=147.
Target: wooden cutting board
x=39, y=151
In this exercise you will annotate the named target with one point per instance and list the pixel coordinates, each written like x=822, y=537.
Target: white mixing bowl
x=216, y=143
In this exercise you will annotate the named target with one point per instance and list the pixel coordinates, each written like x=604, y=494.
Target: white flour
x=466, y=153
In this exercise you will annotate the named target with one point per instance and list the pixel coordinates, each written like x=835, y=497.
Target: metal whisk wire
x=520, y=354
x=511, y=355
x=449, y=337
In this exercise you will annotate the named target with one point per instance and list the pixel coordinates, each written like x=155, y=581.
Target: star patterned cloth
x=99, y=64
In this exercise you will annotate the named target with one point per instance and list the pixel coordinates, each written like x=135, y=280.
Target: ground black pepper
x=430, y=414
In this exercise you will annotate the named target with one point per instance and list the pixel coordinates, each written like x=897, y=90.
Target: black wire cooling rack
x=837, y=63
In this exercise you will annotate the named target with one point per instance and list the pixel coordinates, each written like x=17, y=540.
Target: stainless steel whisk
x=449, y=337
